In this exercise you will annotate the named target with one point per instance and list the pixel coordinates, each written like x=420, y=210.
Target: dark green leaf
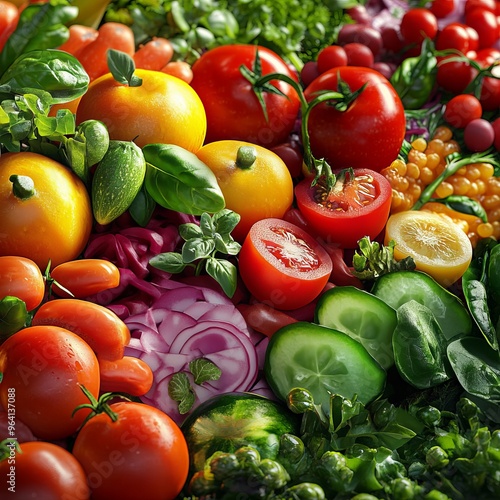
x=203, y=370
x=206, y=225
x=171, y=262
x=142, y=208
x=189, y=231
x=122, y=67
x=225, y=221
x=225, y=273
x=197, y=248
x=180, y=390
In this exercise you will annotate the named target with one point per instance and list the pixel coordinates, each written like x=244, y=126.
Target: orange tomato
x=180, y=69
x=93, y=56
x=154, y=54
x=70, y=105
x=256, y=183
x=55, y=222
x=79, y=37
x=164, y=109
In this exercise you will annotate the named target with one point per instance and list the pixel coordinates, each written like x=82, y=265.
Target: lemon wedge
x=438, y=245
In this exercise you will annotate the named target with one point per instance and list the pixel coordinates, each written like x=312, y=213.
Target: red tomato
x=485, y=23
x=44, y=470
x=369, y=133
x=84, y=277
x=309, y=72
x=462, y=109
x=282, y=265
x=359, y=54
x=97, y=325
x=291, y=153
x=454, y=76
x=128, y=374
x=417, y=24
x=453, y=36
x=9, y=17
x=21, y=277
x=362, y=34
x=442, y=8
x=233, y=110
x=331, y=57
x=264, y=319
x=356, y=207
x=180, y=69
x=143, y=454
x=43, y=368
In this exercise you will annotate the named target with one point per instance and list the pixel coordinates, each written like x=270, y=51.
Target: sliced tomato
x=282, y=265
x=357, y=206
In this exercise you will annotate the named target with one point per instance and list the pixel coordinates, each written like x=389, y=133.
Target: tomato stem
x=245, y=157
x=23, y=186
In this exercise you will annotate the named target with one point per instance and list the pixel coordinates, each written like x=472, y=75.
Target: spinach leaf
x=40, y=26
x=419, y=346
x=477, y=367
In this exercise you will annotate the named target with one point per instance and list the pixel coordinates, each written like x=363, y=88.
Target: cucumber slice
x=361, y=315
x=400, y=287
x=323, y=361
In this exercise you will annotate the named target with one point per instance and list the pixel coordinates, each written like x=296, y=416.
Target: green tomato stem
x=23, y=186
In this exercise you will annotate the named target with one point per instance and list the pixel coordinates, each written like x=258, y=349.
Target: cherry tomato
x=331, y=57
x=43, y=368
x=79, y=37
x=453, y=36
x=417, y=24
x=84, y=277
x=470, y=5
x=128, y=374
x=20, y=277
x=357, y=206
x=291, y=153
x=391, y=39
x=282, y=265
x=309, y=72
x=97, y=325
x=255, y=182
x=143, y=454
x=485, y=23
x=44, y=470
x=228, y=96
x=369, y=133
x=154, y=54
x=442, y=8
x=359, y=54
x=180, y=69
x=496, y=129
x=454, y=76
x=462, y=109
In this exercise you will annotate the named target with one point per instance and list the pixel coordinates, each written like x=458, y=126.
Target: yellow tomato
x=438, y=245
x=50, y=217
x=164, y=109
x=255, y=182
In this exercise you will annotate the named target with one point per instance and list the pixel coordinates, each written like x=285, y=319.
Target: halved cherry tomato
x=20, y=277
x=84, y=277
x=44, y=470
x=357, y=206
x=43, y=368
x=100, y=327
x=128, y=374
x=282, y=265
x=143, y=454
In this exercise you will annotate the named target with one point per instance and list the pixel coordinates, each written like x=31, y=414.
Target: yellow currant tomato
x=437, y=244
x=45, y=209
x=256, y=183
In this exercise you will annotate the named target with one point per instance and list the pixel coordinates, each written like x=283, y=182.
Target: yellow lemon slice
x=438, y=246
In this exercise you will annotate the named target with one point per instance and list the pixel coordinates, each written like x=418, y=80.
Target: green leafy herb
x=202, y=245
x=373, y=260
x=204, y=370
x=13, y=316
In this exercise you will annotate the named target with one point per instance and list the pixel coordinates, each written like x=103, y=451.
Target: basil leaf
x=171, y=262
x=54, y=71
x=203, y=370
x=197, y=248
x=224, y=272
x=176, y=179
x=190, y=230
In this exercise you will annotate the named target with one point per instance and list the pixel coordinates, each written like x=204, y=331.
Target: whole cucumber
x=117, y=180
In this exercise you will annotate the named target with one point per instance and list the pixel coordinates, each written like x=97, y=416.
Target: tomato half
x=43, y=470
x=355, y=208
x=369, y=133
x=232, y=107
x=282, y=265
x=143, y=454
x=43, y=368
x=21, y=277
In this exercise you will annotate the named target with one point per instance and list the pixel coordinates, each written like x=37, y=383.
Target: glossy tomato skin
x=369, y=134
x=282, y=265
x=143, y=454
x=47, y=471
x=105, y=333
x=255, y=189
x=84, y=277
x=21, y=277
x=232, y=108
x=345, y=228
x=44, y=367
